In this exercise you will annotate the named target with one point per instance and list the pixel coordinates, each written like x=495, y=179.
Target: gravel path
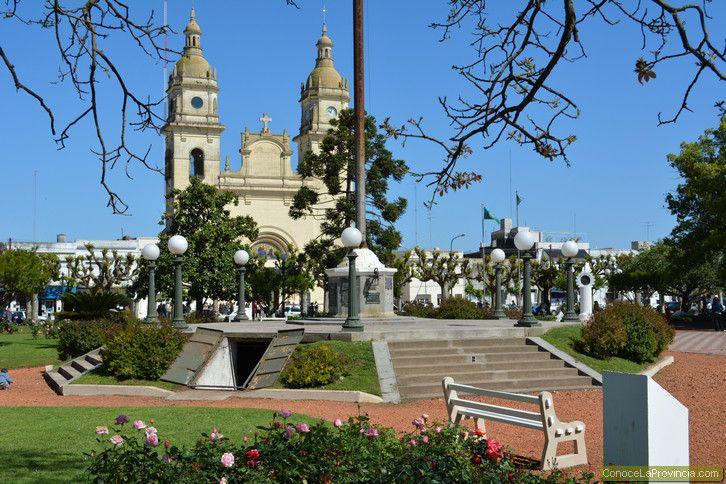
x=696, y=380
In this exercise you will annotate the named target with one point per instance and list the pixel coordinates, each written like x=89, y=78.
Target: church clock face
x=332, y=112
x=197, y=102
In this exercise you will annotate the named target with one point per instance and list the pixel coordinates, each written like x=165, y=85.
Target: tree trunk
x=200, y=304
x=34, y=307
x=442, y=285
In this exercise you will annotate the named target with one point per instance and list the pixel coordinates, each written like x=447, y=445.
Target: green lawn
x=562, y=338
x=362, y=375
x=99, y=377
x=46, y=444
x=20, y=350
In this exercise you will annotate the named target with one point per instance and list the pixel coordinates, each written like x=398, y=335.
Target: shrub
x=459, y=308
x=628, y=330
x=286, y=451
x=87, y=302
x=76, y=338
x=314, y=366
x=204, y=318
x=142, y=351
x=418, y=310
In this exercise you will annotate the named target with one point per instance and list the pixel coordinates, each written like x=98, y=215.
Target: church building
x=266, y=182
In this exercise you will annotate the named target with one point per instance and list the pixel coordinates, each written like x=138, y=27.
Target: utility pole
x=360, y=119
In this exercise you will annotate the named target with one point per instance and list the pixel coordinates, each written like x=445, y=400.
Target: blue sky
x=613, y=192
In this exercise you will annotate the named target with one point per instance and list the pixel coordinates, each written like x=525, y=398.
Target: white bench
x=545, y=420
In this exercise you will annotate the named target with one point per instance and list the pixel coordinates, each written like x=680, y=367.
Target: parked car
x=292, y=310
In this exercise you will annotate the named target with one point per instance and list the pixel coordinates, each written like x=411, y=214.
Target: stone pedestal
x=374, y=280
x=585, y=282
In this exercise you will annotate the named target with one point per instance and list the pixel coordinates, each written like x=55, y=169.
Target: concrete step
x=423, y=369
x=468, y=350
x=480, y=376
x=485, y=350
x=69, y=372
x=94, y=357
x=83, y=365
x=513, y=356
x=429, y=390
x=443, y=343
x=524, y=364
x=430, y=360
x=55, y=380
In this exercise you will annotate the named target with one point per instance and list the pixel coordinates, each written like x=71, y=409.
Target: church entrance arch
x=196, y=163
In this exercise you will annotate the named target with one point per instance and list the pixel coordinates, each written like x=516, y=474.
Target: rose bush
x=351, y=451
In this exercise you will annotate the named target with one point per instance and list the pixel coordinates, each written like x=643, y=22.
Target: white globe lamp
x=178, y=245
x=570, y=249
x=498, y=256
x=524, y=240
x=150, y=252
x=351, y=237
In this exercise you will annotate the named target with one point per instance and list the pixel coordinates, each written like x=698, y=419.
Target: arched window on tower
x=196, y=163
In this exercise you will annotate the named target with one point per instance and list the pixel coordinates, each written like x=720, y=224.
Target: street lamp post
x=524, y=241
x=498, y=257
x=352, y=238
x=150, y=252
x=240, y=258
x=451, y=244
x=178, y=245
x=570, y=250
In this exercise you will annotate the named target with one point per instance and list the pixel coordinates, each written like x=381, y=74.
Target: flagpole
x=516, y=194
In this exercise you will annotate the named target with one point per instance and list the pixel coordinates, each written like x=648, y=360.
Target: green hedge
x=142, y=351
x=626, y=330
x=313, y=366
x=76, y=338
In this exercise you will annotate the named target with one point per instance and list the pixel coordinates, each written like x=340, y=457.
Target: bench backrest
x=472, y=408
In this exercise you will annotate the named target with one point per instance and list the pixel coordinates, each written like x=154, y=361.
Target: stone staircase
x=509, y=364
x=59, y=377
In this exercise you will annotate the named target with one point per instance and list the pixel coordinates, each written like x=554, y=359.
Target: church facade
x=266, y=183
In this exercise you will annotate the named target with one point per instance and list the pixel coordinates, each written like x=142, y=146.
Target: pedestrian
x=717, y=313
x=5, y=380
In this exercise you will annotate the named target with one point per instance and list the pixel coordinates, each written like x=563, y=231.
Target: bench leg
x=480, y=424
x=551, y=460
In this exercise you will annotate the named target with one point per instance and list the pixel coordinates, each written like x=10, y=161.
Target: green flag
x=489, y=216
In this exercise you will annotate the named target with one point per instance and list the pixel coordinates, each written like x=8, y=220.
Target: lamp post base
x=352, y=325
x=571, y=318
x=151, y=320
x=180, y=324
x=241, y=318
x=528, y=321
x=500, y=314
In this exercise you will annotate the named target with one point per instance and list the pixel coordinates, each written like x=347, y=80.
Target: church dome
x=324, y=74
x=193, y=66
x=192, y=27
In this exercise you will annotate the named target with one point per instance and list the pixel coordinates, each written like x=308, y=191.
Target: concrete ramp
x=194, y=356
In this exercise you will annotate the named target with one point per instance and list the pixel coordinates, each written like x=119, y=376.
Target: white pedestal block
x=643, y=424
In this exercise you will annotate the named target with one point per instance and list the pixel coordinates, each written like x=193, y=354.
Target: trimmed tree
x=444, y=269
x=200, y=213
x=24, y=273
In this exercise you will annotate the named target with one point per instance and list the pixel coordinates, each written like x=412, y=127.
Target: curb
x=329, y=395
x=569, y=360
x=386, y=373
x=123, y=390
x=658, y=366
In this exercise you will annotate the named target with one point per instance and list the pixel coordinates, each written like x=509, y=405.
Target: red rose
x=476, y=460
x=494, y=450
x=253, y=454
x=167, y=443
x=277, y=424
x=479, y=433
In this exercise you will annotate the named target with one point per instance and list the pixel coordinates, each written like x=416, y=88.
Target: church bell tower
x=192, y=130
x=322, y=97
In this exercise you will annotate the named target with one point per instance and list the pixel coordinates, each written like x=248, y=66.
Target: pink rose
x=284, y=413
x=101, y=430
x=412, y=443
x=288, y=433
x=215, y=436
x=425, y=417
x=425, y=439
x=166, y=459
x=419, y=422
x=371, y=432
x=302, y=428
x=150, y=430
x=117, y=440
x=139, y=424
x=152, y=439
x=223, y=480
x=227, y=459
x=438, y=430
x=337, y=422
x=494, y=450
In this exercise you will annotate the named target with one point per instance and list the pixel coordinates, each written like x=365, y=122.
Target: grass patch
x=20, y=350
x=361, y=368
x=101, y=377
x=563, y=337
x=47, y=444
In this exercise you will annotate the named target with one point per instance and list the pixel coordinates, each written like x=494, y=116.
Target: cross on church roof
x=265, y=120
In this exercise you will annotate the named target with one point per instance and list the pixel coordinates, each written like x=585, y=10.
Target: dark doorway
x=246, y=355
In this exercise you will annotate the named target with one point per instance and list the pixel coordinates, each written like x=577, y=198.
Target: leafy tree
x=328, y=194
x=24, y=273
x=200, y=213
x=445, y=269
x=100, y=274
x=545, y=275
x=266, y=281
x=403, y=275
x=699, y=202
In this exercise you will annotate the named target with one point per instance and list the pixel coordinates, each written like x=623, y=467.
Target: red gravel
x=698, y=381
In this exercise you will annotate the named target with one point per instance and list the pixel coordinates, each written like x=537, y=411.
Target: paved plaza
x=709, y=342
